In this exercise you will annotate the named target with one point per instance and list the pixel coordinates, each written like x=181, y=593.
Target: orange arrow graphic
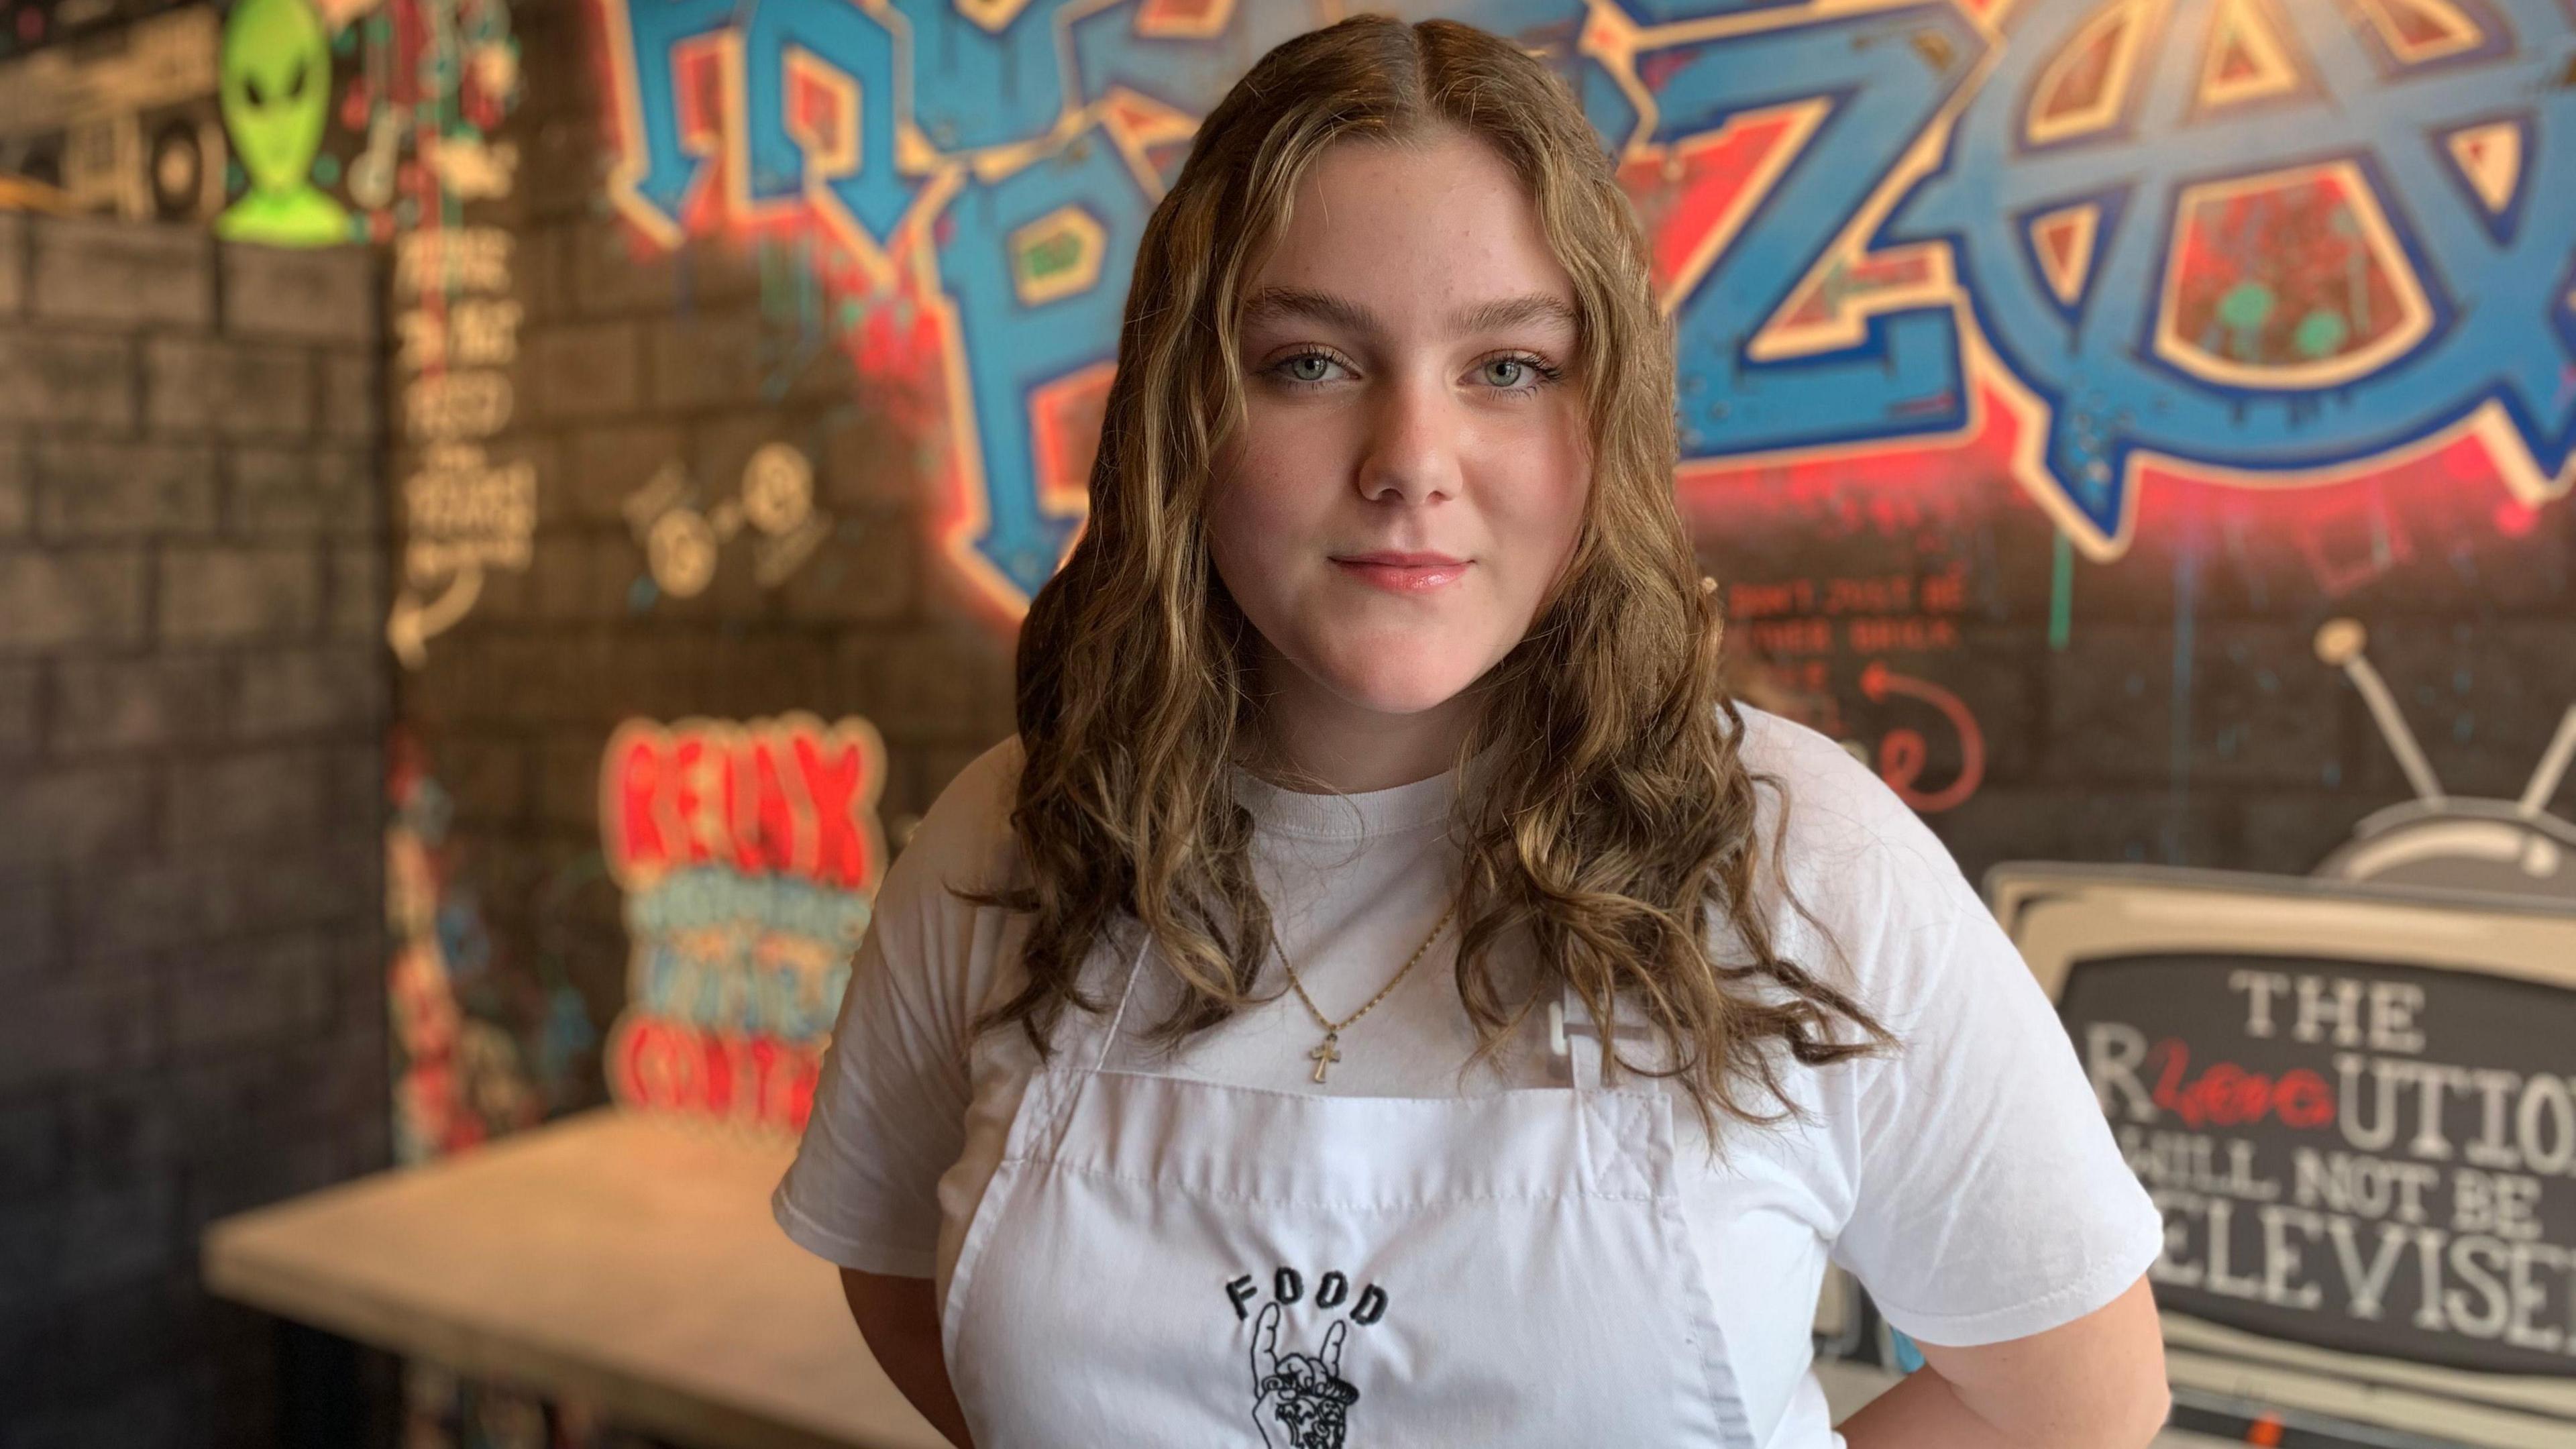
x=1901, y=752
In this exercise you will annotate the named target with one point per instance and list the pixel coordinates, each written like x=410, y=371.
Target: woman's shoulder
x=1839, y=849
x=964, y=838
x=920, y=924
x=1833, y=803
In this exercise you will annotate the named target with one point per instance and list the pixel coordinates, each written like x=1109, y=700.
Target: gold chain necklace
x=1328, y=1052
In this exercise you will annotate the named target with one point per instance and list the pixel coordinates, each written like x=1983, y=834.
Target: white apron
x=1162, y=1263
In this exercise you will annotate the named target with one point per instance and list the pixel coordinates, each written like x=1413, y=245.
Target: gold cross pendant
x=1325, y=1055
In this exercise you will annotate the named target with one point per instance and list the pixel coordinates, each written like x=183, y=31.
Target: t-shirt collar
x=1365, y=813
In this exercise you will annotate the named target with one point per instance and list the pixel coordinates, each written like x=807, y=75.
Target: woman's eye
x=1503, y=374
x=1517, y=374
x=1305, y=369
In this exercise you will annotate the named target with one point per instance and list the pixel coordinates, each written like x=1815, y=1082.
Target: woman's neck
x=1312, y=735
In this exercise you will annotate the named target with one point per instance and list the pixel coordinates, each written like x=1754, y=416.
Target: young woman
x=1200, y=1080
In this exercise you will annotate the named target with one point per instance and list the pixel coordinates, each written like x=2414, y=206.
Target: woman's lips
x=1404, y=578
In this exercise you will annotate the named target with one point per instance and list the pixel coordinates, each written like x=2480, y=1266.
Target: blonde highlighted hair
x=1618, y=827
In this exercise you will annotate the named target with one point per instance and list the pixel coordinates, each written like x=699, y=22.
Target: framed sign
x=2356, y=1108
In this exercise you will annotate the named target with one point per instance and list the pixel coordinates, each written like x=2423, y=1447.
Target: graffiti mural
x=276, y=75
x=749, y=853
x=113, y=109
x=2100, y=243
x=357, y=119
x=1801, y=628
x=465, y=513
x=2443, y=840
x=2323, y=252
x=429, y=175
x=480, y=1050
x=290, y=122
x=681, y=539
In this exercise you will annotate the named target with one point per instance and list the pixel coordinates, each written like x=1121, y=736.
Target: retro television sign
x=2356, y=1107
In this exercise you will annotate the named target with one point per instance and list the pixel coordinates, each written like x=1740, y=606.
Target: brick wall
x=192, y=702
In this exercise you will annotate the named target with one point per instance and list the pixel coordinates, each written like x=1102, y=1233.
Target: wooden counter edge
x=234, y=1268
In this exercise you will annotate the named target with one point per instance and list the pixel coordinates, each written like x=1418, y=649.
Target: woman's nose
x=1412, y=445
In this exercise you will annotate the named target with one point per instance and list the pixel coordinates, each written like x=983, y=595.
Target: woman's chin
x=1391, y=692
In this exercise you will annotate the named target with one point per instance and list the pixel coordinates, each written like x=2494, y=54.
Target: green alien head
x=276, y=79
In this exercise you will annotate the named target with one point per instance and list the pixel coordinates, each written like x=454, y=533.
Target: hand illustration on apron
x=1507, y=1271
x=1307, y=1399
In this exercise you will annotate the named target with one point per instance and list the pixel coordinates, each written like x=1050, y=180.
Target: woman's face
x=1413, y=462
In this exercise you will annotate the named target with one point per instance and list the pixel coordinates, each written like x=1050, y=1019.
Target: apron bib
x=1166, y=1262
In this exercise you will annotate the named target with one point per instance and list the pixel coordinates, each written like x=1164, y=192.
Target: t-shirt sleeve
x=890, y=1110
x=1989, y=1200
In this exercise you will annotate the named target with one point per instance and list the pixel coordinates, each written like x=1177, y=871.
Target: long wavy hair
x=1618, y=828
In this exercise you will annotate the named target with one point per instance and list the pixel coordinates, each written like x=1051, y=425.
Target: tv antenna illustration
x=2453, y=841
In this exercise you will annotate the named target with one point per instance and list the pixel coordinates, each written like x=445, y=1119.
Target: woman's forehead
x=1440, y=237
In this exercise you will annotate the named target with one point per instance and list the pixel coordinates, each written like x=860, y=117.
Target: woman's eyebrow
x=1272, y=302
x=1509, y=312
x=1492, y=316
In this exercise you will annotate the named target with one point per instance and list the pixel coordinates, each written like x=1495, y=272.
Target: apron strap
x=1082, y=1041
x=1126, y=992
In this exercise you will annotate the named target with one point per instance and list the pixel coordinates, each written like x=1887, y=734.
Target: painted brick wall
x=192, y=703
x=2164, y=707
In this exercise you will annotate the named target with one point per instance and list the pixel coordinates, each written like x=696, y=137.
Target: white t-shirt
x=1970, y=1182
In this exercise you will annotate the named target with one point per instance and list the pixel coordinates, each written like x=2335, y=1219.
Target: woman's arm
x=2095, y=1383
x=899, y=1318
